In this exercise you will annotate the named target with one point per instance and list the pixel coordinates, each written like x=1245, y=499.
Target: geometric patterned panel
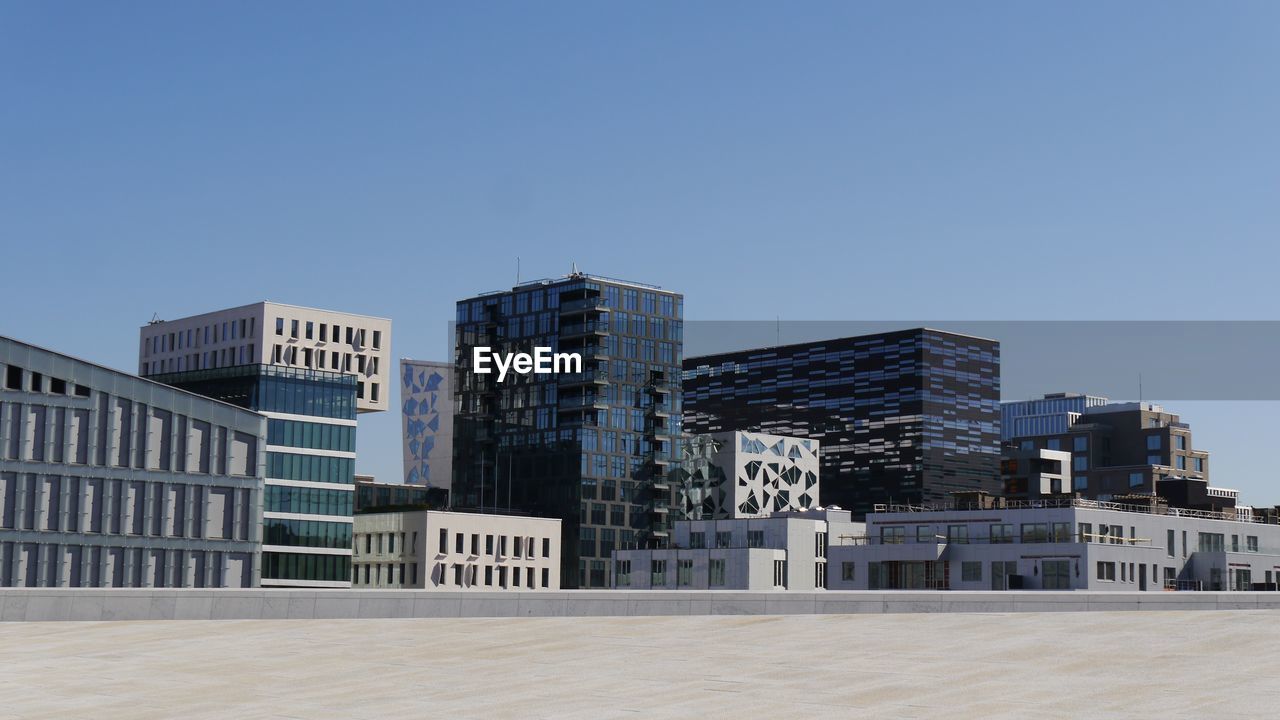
x=770, y=473
x=427, y=422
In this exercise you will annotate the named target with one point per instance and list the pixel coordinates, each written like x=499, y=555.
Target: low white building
x=784, y=551
x=439, y=550
x=1057, y=544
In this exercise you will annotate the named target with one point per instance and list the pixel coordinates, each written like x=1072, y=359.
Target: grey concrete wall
x=39, y=604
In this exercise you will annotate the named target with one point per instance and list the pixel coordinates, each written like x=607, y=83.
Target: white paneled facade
x=108, y=480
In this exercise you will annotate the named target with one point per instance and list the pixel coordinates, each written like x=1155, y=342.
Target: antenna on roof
x=155, y=318
x=573, y=268
x=517, y=269
x=1139, y=388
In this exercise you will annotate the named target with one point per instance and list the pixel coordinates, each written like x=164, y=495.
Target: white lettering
x=541, y=362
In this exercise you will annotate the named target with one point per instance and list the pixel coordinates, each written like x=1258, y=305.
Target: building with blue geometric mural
x=426, y=397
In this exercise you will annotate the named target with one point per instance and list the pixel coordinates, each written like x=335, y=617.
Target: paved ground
x=1096, y=664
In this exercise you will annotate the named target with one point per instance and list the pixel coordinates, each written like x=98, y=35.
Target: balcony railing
x=1153, y=509
x=585, y=305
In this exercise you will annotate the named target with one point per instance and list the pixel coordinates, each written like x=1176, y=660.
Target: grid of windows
x=306, y=533
x=307, y=501
x=315, y=468
x=584, y=446
x=306, y=566
x=910, y=415
x=315, y=436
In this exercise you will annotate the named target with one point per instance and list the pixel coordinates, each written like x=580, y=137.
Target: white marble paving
x=954, y=665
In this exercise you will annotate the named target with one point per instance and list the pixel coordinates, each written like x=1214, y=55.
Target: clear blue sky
x=847, y=160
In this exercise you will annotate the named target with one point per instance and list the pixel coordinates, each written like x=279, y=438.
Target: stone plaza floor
x=1026, y=665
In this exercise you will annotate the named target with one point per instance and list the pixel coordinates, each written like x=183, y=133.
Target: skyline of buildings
x=908, y=417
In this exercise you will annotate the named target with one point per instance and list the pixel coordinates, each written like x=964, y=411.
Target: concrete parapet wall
x=42, y=604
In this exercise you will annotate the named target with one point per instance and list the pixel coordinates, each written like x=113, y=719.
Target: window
x=847, y=571
x=622, y=573
x=971, y=571
x=1169, y=543
x=1251, y=543
x=1107, y=571
x=780, y=573
x=1080, y=482
x=444, y=540
x=755, y=538
x=1153, y=442
x=1086, y=532
x=1054, y=444
x=716, y=572
x=1001, y=533
x=488, y=575
x=1136, y=479
x=697, y=540
x=546, y=577
x=724, y=539
x=892, y=535
x=958, y=534
x=1197, y=464
x=1211, y=542
x=1180, y=442
x=377, y=339
x=1235, y=543
x=924, y=534
x=1080, y=462
x=1061, y=531
x=279, y=326
x=1080, y=443
x=546, y=547
x=475, y=543
x=684, y=572
x=657, y=573
x=1035, y=532
x=1155, y=460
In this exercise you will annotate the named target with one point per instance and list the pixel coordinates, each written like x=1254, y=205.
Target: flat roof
x=130, y=375
x=263, y=303
x=785, y=346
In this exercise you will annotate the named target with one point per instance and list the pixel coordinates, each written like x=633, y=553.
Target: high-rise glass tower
x=593, y=448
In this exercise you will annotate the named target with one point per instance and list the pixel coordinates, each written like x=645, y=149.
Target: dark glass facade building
x=593, y=448
x=904, y=417
x=310, y=464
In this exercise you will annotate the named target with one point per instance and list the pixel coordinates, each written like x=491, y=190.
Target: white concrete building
x=784, y=551
x=267, y=333
x=748, y=474
x=1063, y=544
x=438, y=550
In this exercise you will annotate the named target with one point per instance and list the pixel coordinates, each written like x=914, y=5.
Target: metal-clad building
x=906, y=416
x=110, y=480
